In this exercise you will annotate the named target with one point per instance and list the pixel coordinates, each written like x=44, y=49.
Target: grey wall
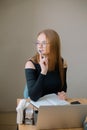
x=20, y=21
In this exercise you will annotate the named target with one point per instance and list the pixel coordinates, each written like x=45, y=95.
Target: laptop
x=66, y=116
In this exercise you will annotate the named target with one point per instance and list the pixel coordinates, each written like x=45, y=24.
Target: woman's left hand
x=62, y=95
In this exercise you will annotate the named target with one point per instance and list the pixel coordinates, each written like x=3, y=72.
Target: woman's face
x=42, y=44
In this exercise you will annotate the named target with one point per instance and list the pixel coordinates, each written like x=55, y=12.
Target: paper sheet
x=50, y=99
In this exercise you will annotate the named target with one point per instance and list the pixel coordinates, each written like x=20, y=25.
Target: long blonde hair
x=55, y=52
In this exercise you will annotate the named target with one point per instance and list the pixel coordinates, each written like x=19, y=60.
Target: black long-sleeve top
x=40, y=85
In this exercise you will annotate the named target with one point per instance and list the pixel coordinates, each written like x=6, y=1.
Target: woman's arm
x=62, y=94
x=64, y=88
x=34, y=83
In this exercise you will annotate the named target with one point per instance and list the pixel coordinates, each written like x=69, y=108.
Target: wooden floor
x=8, y=121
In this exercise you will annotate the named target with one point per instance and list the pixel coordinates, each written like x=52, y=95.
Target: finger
x=45, y=61
x=41, y=56
x=58, y=93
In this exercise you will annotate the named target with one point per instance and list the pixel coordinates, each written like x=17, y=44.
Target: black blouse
x=40, y=85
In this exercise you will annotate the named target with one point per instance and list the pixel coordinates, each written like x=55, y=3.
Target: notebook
x=64, y=116
x=49, y=99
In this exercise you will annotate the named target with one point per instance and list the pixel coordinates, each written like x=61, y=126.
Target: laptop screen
x=67, y=116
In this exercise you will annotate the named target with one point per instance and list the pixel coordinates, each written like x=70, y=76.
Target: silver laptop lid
x=67, y=116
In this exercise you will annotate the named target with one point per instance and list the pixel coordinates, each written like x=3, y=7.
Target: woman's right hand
x=43, y=64
x=62, y=95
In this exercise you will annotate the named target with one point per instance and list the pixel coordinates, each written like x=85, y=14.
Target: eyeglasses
x=43, y=43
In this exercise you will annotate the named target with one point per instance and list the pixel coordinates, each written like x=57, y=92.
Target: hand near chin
x=43, y=63
x=62, y=95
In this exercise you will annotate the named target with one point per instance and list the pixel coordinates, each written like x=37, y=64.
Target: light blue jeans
x=26, y=92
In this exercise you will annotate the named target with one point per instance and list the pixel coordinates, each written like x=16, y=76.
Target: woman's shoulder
x=30, y=64
x=65, y=65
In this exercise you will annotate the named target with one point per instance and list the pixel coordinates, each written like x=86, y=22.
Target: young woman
x=46, y=71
